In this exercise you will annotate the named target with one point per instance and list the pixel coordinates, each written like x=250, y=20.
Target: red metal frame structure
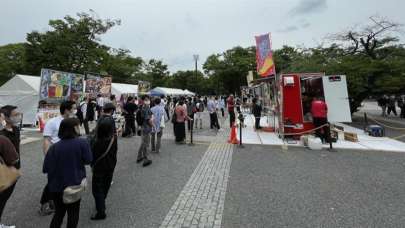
x=289, y=94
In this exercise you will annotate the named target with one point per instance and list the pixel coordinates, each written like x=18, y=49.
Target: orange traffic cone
x=233, y=137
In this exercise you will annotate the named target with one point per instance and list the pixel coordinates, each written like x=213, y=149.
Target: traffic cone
x=233, y=137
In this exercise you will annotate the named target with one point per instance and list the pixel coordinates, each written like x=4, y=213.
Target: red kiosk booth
x=295, y=94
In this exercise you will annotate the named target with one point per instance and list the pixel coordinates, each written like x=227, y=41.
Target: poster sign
x=57, y=86
x=264, y=56
x=143, y=87
x=95, y=84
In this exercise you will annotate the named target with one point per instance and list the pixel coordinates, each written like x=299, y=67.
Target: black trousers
x=393, y=109
x=257, y=122
x=4, y=196
x=231, y=118
x=223, y=112
x=214, y=120
x=46, y=195
x=129, y=127
x=86, y=126
x=322, y=133
x=101, y=183
x=73, y=211
x=180, y=132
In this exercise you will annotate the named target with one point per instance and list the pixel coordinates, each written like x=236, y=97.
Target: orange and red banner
x=264, y=56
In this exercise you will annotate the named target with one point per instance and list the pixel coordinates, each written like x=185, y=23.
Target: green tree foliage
x=12, y=61
x=228, y=70
x=71, y=45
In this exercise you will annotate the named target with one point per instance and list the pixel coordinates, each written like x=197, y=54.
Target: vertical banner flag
x=143, y=87
x=264, y=56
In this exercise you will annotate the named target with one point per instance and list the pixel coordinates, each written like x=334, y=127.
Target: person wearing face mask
x=147, y=125
x=10, y=158
x=11, y=129
x=67, y=110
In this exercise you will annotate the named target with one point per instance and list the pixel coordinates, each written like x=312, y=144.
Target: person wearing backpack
x=159, y=121
x=104, y=147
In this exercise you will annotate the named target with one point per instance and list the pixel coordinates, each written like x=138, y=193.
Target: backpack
x=140, y=118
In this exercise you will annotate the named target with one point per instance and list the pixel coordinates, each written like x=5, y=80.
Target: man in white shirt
x=51, y=130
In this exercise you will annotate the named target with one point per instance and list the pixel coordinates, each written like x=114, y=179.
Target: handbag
x=162, y=121
x=174, y=117
x=72, y=194
x=8, y=175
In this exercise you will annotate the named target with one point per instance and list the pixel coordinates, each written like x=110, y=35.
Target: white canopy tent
x=22, y=91
x=188, y=92
x=158, y=91
x=119, y=88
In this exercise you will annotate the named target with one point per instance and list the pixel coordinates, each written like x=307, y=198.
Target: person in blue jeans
x=65, y=166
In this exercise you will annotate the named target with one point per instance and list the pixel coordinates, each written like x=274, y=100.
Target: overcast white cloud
x=174, y=30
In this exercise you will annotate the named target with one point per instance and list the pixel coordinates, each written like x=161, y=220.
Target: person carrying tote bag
x=65, y=166
x=8, y=173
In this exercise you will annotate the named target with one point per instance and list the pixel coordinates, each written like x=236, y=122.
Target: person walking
x=130, y=109
x=401, y=106
x=391, y=106
x=87, y=113
x=180, y=127
x=319, y=111
x=191, y=109
x=104, y=147
x=199, y=113
x=67, y=110
x=10, y=158
x=159, y=119
x=64, y=164
x=222, y=106
x=231, y=110
x=146, y=118
x=257, y=113
x=212, y=109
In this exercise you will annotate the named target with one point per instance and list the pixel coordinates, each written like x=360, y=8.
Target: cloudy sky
x=174, y=30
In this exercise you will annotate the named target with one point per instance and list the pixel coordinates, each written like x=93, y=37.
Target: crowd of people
x=67, y=151
x=389, y=104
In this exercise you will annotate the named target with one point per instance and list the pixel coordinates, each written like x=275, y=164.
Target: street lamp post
x=196, y=57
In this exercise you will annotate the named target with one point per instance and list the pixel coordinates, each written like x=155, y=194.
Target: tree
x=12, y=61
x=72, y=45
x=156, y=72
x=229, y=69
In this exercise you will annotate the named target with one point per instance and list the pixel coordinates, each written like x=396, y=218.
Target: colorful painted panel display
x=57, y=86
x=95, y=84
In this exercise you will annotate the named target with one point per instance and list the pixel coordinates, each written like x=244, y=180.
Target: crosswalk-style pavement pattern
x=201, y=202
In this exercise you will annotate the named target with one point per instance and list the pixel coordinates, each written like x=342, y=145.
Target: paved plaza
x=214, y=184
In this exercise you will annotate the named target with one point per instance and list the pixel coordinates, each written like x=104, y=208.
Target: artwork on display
x=57, y=86
x=95, y=84
x=143, y=87
x=77, y=87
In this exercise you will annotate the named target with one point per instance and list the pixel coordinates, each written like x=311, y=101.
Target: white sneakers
x=4, y=226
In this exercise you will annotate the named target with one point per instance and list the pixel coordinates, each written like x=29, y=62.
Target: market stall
x=296, y=92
